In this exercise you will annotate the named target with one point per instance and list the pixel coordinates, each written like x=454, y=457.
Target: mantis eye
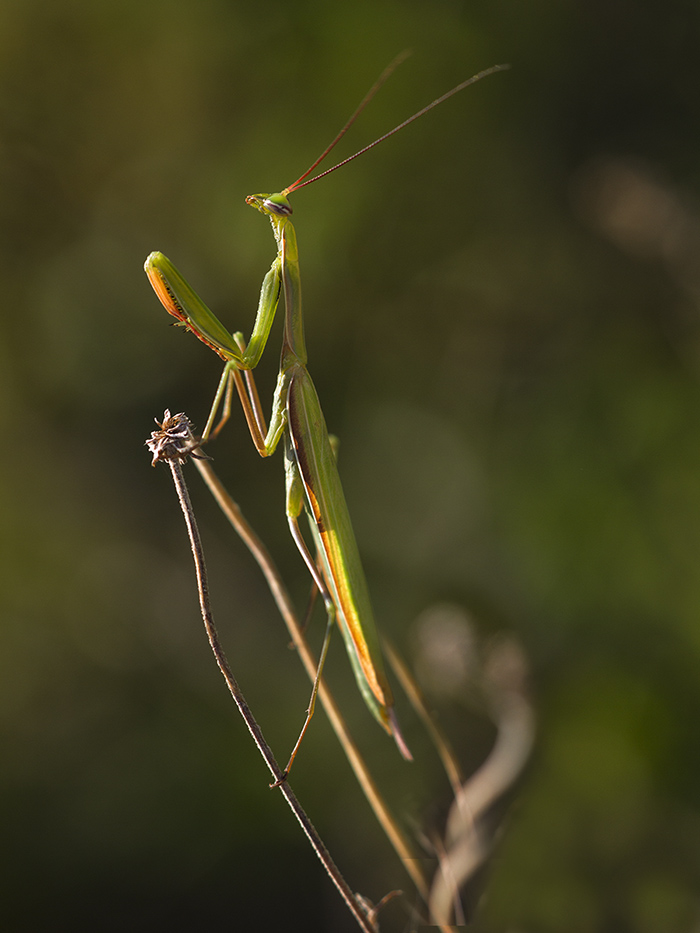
x=278, y=204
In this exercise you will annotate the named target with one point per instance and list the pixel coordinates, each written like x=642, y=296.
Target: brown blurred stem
x=466, y=845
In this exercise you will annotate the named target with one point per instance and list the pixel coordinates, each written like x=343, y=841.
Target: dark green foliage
x=502, y=323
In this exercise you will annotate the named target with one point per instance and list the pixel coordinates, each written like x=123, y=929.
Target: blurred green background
x=502, y=322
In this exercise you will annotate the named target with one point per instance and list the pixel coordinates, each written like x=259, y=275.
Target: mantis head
x=274, y=205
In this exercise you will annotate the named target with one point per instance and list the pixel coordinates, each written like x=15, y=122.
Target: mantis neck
x=294, y=346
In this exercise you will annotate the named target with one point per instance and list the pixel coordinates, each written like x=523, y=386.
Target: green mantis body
x=312, y=476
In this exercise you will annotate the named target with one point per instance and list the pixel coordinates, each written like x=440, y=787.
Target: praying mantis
x=312, y=479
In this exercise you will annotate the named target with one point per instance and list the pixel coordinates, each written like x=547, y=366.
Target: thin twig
x=174, y=443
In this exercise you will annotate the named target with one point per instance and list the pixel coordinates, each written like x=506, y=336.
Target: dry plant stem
x=467, y=842
x=174, y=459
x=386, y=819
x=465, y=848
